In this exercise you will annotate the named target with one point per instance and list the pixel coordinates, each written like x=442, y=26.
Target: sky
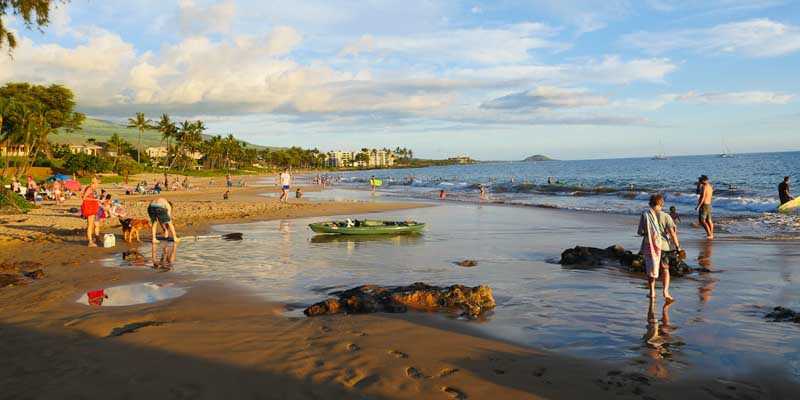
x=493, y=80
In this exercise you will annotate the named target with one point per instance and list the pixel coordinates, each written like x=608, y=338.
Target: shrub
x=83, y=164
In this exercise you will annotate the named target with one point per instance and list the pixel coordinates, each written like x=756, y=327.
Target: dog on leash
x=130, y=228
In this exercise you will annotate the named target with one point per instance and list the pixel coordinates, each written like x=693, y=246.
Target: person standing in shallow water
x=657, y=228
x=783, y=191
x=703, y=208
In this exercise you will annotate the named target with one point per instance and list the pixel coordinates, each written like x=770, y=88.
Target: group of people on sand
x=96, y=207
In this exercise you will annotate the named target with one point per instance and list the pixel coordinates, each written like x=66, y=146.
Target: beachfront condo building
x=377, y=158
x=13, y=150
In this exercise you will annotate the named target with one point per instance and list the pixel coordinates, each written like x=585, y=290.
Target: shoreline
x=221, y=340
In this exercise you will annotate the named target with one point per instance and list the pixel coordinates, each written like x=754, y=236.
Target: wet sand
x=222, y=341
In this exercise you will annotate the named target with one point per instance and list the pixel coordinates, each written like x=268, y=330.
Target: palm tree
x=167, y=129
x=141, y=123
x=118, y=144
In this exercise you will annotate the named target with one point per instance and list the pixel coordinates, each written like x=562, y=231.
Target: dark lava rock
x=588, y=257
x=372, y=298
x=782, y=314
x=467, y=263
x=13, y=280
x=14, y=266
x=38, y=274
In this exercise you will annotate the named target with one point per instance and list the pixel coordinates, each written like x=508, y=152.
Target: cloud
x=735, y=98
x=607, y=70
x=509, y=44
x=585, y=15
x=752, y=38
x=544, y=97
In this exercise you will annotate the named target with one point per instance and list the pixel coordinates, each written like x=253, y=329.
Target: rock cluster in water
x=467, y=263
x=11, y=276
x=616, y=255
x=782, y=314
x=474, y=301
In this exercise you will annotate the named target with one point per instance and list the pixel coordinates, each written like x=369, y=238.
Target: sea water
x=716, y=326
x=746, y=195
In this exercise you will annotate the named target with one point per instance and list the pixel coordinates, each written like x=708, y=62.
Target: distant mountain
x=538, y=157
x=101, y=131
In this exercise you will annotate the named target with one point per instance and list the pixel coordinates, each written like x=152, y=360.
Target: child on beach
x=673, y=212
x=298, y=193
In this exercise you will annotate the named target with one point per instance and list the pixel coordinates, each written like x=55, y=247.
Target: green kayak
x=367, y=227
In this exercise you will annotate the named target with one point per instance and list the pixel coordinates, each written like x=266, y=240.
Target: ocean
x=745, y=199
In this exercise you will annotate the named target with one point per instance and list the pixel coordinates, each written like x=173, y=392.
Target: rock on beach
x=616, y=255
x=473, y=301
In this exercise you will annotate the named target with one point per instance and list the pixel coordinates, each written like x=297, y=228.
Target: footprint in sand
x=326, y=329
x=539, y=372
x=414, y=373
x=454, y=393
x=499, y=372
x=358, y=333
x=447, y=372
x=353, y=347
x=398, y=354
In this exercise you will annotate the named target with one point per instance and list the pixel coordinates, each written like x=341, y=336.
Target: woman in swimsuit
x=90, y=206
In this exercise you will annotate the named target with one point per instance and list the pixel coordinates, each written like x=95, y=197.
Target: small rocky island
x=537, y=157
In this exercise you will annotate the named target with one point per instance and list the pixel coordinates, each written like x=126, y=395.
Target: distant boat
x=660, y=156
x=726, y=151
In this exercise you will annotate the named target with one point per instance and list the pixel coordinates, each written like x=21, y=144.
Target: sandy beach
x=222, y=340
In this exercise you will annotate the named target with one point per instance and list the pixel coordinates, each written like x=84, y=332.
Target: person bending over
x=161, y=210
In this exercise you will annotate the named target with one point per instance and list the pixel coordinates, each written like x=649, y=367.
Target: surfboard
x=378, y=182
x=790, y=207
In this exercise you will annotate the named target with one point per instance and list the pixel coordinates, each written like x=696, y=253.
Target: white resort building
x=377, y=158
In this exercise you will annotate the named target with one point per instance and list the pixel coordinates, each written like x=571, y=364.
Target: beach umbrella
x=72, y=185
x=60, y=178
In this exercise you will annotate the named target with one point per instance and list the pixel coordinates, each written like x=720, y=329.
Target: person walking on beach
x=57, y=192
x=657, y=228
x=285, y=182
x=372, y=184
x=229, y=181
x=783, y=191
x=90, y=206
x=704, y=206
x=161, y=210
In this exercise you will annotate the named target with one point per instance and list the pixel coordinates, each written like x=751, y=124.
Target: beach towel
x=651, y=244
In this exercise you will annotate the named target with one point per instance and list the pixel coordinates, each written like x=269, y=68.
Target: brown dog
x=130, y=228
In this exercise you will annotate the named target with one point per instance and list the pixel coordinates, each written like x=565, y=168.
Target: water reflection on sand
x=127, y=295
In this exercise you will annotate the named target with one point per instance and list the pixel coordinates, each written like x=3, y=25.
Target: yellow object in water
x=790, y=207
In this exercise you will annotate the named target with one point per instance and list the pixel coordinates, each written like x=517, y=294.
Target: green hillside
x=101, y=131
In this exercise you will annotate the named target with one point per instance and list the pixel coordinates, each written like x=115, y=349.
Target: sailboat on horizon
x=660, y=156
x=726, y=151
